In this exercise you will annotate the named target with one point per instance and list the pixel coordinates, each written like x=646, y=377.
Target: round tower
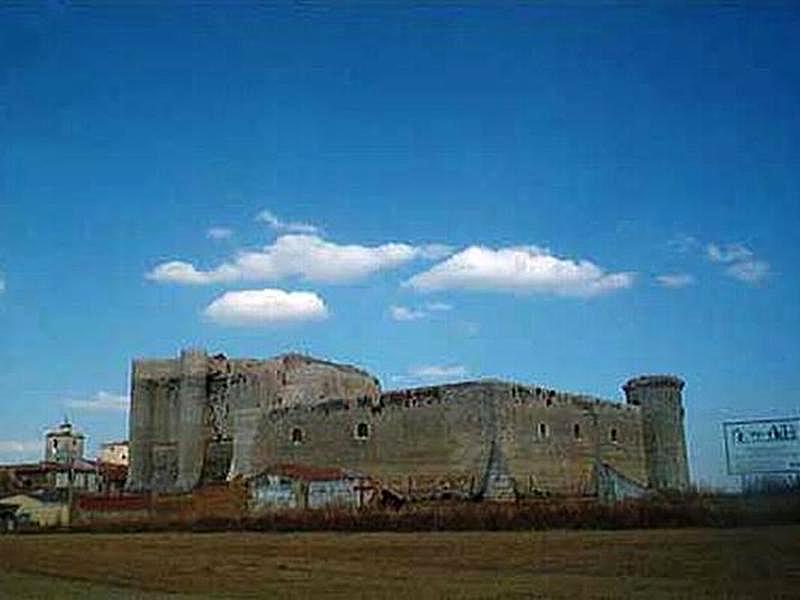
x=660, y=399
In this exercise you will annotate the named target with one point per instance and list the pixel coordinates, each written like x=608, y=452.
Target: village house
x=299, y=486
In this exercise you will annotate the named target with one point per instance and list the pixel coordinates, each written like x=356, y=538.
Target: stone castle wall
x=197, y=418
x=441, y=438
x=190, y=416
x=419, y=442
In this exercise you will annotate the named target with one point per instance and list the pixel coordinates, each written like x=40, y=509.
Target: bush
x=692, y=509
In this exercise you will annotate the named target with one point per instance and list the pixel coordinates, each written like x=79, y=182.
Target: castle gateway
x=197, y=419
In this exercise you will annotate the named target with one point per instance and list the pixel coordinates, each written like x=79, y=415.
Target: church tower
x=63, y=444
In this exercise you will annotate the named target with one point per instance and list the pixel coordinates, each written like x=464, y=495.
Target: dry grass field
x=680, y=563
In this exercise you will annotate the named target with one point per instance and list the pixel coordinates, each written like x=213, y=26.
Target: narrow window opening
x=576, y=430
x=614, y=436
x=297, y=435
x=543, y=430
x=362, y=431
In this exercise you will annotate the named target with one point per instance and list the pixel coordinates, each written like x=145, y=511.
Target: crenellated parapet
x=643, y=382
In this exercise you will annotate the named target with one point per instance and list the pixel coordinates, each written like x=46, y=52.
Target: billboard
x=762, y=446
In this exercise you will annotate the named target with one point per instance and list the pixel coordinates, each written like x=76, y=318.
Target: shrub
x=692, y=509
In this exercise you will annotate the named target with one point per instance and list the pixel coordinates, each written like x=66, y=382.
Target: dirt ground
x=683, y=563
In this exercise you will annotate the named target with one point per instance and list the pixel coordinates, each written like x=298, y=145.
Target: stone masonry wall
x=153, y=424
x=190, y=412
x=199, y=418
x=553, y=442
x=426, y=440
x=664, y=440
x=439, y=439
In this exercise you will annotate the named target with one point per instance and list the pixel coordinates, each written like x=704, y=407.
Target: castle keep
x=198, y=419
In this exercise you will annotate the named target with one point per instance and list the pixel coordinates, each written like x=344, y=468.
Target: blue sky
x=431, y=193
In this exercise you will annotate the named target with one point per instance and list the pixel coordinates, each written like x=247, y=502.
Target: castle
x=197, y=419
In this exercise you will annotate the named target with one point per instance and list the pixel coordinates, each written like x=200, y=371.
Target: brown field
x=658, y=563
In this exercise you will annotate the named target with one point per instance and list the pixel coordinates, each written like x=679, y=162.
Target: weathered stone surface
x=442, y=438
x=188, y=410
x=196, y=417
x=659, y=397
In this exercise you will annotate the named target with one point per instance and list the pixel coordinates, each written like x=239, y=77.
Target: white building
x=114, y=453
x=63, y=444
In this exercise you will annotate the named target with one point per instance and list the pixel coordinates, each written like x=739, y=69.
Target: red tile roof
x=49, y=467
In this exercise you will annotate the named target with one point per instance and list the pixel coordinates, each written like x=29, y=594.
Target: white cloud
x=20, y=447
x=675, y=280
x=278, y=225
x=219, y=233
x=430, y=374
x=101, y=401
x=308, y=257
x=740, y=262
x=21, y=450
x=177, y=271
x=265, y=307
x=728, y=253
x=402, y=313
x=519, y=269
x=750, y=271
x=438, y=371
